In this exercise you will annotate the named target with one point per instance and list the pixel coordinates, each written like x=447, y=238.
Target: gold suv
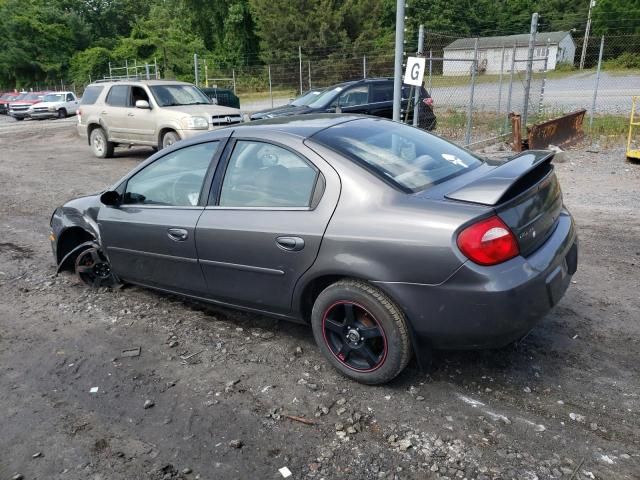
x=156, y=113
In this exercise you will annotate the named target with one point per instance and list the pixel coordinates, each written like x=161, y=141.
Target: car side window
x=354, y=96
x=138, y=93
x=261, y=174
x=90, y=95
x=381, y=92
x=70, y=97
x=173, y=180
x=118, y=96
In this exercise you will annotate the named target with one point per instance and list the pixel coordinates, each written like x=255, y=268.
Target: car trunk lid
x=525, y=194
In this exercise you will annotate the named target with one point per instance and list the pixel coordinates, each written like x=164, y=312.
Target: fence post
x=544, y=76
x=364, y=66
x=474, y=67
x=513, y=67
x=155, y=67
x=595, y=89
x=146, y=71
x=309, y=65
x=233, y=73
x=206, y=74
x=195, y=68
x=430, y=67
x=527, y=85
x=416, y=98
x=110, y=76
x=500, y=86
x=126, y=66
x=270, y=90
x=397, y=66
x=300, y=59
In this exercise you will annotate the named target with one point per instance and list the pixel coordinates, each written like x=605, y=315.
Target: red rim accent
x=341, y=360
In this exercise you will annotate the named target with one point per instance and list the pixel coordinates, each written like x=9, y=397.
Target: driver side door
x=353, y=100
x=150, y=237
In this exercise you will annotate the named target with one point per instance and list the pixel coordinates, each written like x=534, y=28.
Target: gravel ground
x=216, y=394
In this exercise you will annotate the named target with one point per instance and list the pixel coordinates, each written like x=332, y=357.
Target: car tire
x=100, y=145
x=19, y=119
x=169, y=139
x=361, y=331
x=62, y=113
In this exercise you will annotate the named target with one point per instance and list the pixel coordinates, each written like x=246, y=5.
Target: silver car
x=387, y=240
x=156, y=113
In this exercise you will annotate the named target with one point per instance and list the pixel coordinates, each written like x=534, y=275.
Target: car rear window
x=90, y=95
x=408, y=158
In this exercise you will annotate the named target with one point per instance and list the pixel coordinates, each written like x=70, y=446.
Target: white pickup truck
x=55, y=104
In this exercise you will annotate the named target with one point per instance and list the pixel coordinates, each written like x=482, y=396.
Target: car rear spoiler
x=492, y=188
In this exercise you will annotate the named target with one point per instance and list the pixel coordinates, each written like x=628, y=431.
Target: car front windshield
x=326, y=97
x=174, y=95
x=407, y=157
x=31, y=96
x=53, y=97
x=307, y=98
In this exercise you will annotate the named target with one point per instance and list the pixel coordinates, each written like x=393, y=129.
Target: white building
x=458, y=56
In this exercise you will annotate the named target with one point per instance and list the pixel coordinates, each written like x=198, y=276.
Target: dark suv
x=372, y=96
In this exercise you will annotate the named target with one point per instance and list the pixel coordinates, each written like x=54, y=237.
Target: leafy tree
x=38, y=39
x=283, y=25
x=89, y=64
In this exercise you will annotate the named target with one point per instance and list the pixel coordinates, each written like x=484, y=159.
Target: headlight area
x=195, y=123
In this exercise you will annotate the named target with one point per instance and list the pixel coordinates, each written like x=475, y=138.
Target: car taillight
x=488, y=242
x=428, y=101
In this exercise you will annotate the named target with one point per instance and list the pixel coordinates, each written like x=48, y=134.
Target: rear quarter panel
x=379, y=233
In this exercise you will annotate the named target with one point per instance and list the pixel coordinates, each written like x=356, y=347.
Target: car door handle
x=177, y=234
x=291, y=244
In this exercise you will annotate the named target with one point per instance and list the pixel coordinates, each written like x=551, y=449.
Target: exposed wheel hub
x=102, y=270
x=353, y=336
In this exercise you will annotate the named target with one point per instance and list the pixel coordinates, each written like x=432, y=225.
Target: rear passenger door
x=381, y=99
x=265, y=220
x=114, y=113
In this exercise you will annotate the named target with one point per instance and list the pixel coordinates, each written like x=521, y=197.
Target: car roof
x=303, y=126
x=134, y=81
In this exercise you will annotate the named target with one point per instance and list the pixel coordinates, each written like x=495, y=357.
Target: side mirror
x=142, y=104
x=110, y=197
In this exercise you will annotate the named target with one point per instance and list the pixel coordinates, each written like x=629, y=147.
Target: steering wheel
x=184, y=187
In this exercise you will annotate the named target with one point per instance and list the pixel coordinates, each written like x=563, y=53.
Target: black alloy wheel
x=93, y=268
x=354, y=336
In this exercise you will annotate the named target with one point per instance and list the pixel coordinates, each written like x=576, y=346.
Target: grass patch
x=277, y=94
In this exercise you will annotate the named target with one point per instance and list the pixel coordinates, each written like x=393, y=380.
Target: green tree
x=283, y=25
x=38, y=39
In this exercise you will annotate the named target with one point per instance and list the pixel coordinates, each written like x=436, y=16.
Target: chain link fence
x=474, y=83
x=473, y=89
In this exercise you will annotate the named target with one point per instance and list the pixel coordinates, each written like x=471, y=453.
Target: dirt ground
x=563, y=403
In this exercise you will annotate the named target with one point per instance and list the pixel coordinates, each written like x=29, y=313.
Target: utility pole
x=416, y=98
x=195, y=68
x=527, y=85
x=300, y=59
x=397, y=69
x=592, y=3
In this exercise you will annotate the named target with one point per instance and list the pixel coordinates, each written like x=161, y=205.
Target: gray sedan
x=387, y=240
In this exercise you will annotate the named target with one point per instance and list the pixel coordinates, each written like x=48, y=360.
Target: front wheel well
x=70, y=239
x=162, y=133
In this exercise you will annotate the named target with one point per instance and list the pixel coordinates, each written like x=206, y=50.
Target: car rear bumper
x=82, y=130
x=489, y=307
